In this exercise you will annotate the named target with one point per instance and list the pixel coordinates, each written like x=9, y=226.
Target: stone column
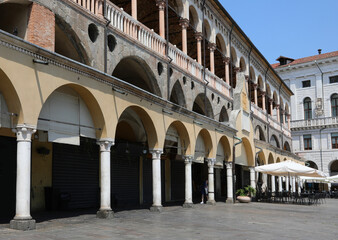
x=229, y=183
x=161, y=7
x=188, y=182
x=184, y=23
x=299, y=185
x=105, y=204
x=199, y=37
x=134, y=9
x=255, y=93
x=22, y=219
x=156, y=164
x=211, y=185
x=288, y=117
x=226, y=62
x=273, y=183
x=282, y=120
x=278, y=113
x=293, y=184
x=287, y=187
x=265, y=181
x=252, y=177
x=263, y=101
x=280, y=184
x=271, y=106
x=212, y=48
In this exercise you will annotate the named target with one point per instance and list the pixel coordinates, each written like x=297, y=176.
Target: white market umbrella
x=315, y=179
x=333, y=178
x=289, y=168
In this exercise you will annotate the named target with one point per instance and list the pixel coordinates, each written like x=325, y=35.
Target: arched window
x=307, y=108
x=334, y=105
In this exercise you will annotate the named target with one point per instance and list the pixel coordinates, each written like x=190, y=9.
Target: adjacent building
x=314, y=117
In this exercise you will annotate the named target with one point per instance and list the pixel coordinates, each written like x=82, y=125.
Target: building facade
x=123, y=104
x=314, y=125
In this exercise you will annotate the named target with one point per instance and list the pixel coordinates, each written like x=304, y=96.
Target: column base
x=105, y=214
x=229, y=200
x=23, y=225
x=211, y=202
x=156, y=209
x=188, y=205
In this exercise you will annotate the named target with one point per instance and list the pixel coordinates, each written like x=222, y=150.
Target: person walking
x=204, y=191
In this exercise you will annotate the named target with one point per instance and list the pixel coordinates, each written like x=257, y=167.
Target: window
x=306, y=83
x=307, y=108
x=334, y=105
x=334, y=79
x=334, y=140
x=307, y=142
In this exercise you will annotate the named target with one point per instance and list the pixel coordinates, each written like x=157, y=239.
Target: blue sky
x=291, y=28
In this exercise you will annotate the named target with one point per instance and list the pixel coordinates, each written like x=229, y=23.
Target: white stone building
x=314, y=112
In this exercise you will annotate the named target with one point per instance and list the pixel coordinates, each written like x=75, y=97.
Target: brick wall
x=41, y=27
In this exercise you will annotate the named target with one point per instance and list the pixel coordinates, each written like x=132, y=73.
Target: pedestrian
x=204, y=191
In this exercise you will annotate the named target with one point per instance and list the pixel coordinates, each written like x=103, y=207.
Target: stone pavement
x=223, y=221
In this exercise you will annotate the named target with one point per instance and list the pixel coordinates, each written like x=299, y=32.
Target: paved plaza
x=223, y=221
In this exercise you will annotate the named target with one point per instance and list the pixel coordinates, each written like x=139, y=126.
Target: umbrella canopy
x=289, y=168
x=333, y=178
x=315, y=179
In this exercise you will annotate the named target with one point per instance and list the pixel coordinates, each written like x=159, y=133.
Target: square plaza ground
x=223, y=221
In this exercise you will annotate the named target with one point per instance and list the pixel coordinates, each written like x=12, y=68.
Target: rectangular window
x=307, y=142
x=334, y=79
x=306, y=83
x=334, y=140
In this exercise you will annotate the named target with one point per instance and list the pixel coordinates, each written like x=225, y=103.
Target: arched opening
x=311, y=164
x=287, y=147
x=176, y=144
x=177, y=95
x=147, y=13
x=334, y=105
x=274, y=141
x=222, y=155
x=286, y=112
x=191, y=30
x=131, y=162
x=203, y=106
x=244, y=159
x=233, y=68
x=242, y=65
x=260, y=160
x=14, y=17
x=268, y=99
x=251, y=84
x=208, y=44
x=220, y=54
x=65, y=156
x=334, y=168
x=136, y=72
x=223, y=116
x=175, y=28
x=281, y=110
x=259, y=133
x=67, y=43
x=274, y=104
x=203, y=150
x=307, y=108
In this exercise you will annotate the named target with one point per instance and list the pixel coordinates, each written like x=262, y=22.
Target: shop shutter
x=177, y=180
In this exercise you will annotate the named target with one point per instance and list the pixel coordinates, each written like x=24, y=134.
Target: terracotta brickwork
x=41, y=27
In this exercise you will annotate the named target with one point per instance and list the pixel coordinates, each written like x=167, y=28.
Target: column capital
x=226, y=60
x=252, y=169
x=188, y=159
x=156, y=153
x=24, y=132
x=246, y=77
x=263, y=93
x=229, y=165
x=288, y=115
x=282, y=111
x=160, y=4
x=212, y=47
x=255, y=85
x=277, y=106
x=211, y=162
x=184, y=23
x=198, y=36
x=105, y=144
x=270, y=100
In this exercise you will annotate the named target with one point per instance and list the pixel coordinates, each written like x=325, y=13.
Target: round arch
x=177, y=95
x=286, y=146
x=259, y=133
x=220, y=43
x=242, y=65
x=225, y=145
x=261, y=160
x=278, y=160
x=151, y=133
x=208, y=146
x=248, y=151
x=11, y=97
x=333, y=167
x=311, y=164
x=223, y=115
x=194, y=18
x=136, y=71
x=177, y=5
x=207, y=30
x=271, y=159
x=183, y=137
x=91, y=103
x=199, y=106
x=274, y=141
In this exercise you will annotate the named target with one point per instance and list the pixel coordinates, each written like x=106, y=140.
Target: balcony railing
x=126, y=24
x=316, y=122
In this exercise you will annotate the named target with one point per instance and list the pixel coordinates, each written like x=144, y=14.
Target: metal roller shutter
x=7, y=178
x=147, y=182
x=177, y=180
x=76, y=173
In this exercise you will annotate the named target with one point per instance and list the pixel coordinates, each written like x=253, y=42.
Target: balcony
x=136, y=31
x=314, y=123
